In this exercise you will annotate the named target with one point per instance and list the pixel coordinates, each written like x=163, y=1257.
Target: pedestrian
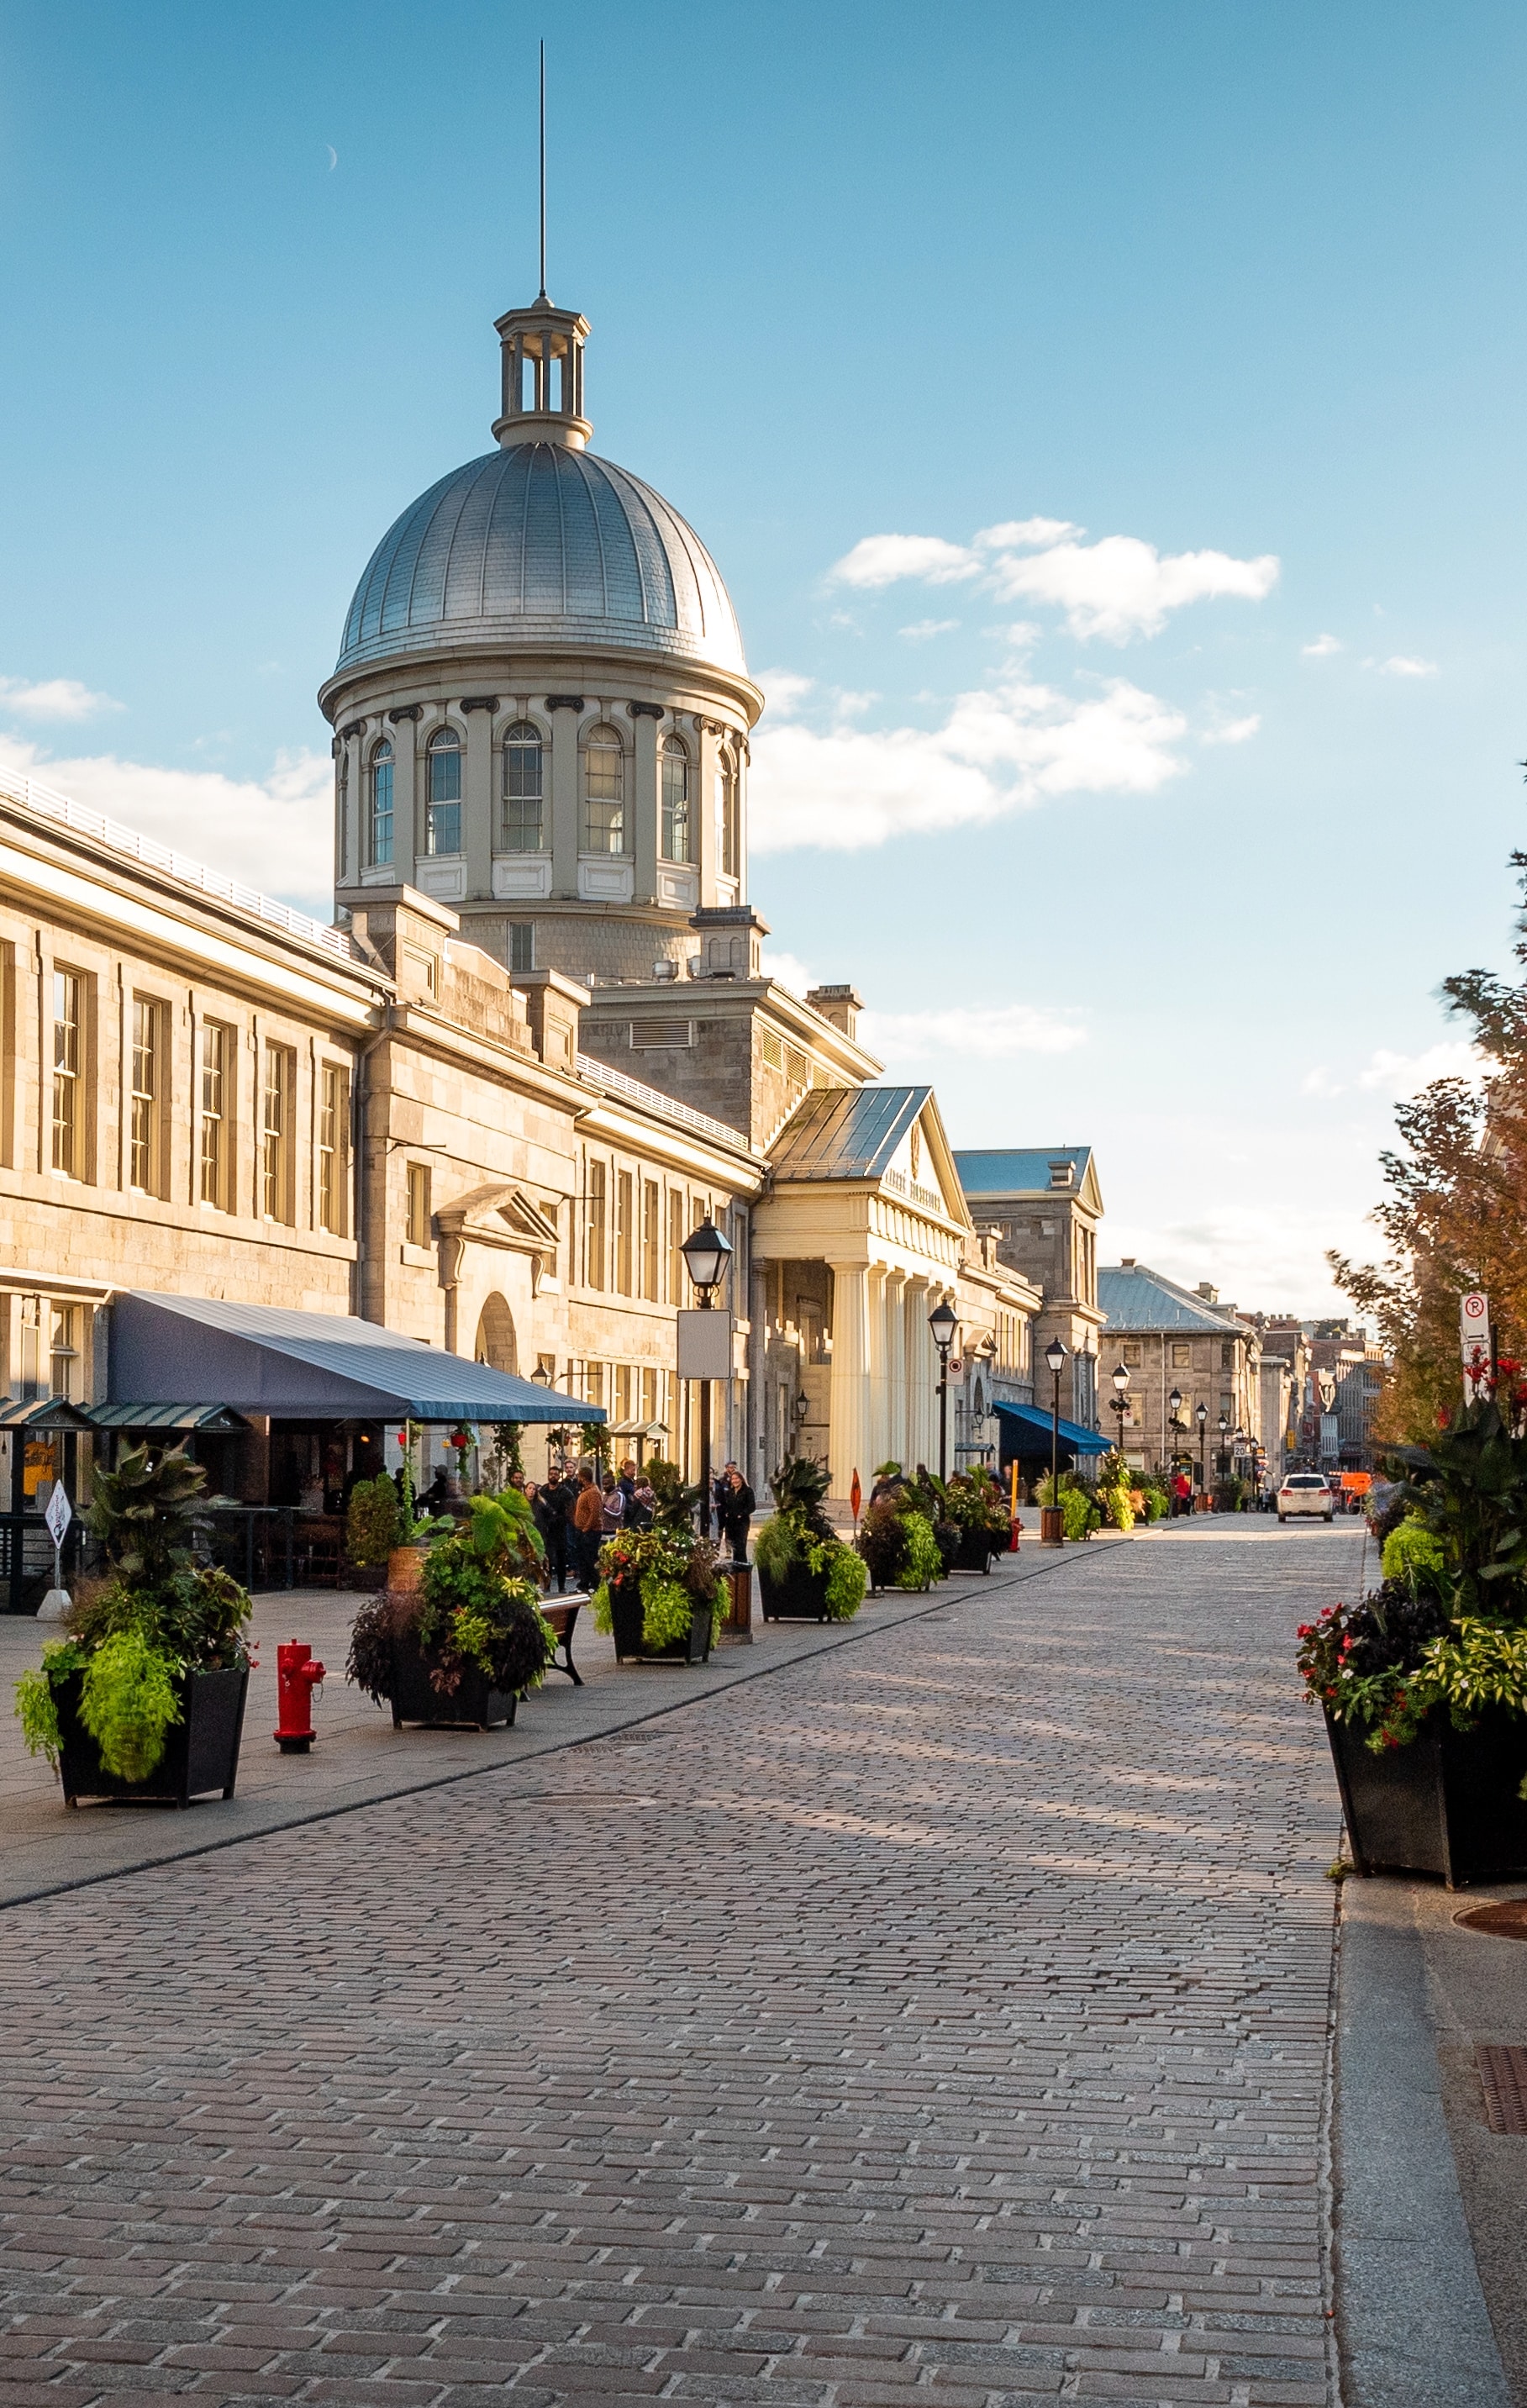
x=628, y=1483
x=737, y=1513
x=549, y=1504
x=588, y=1526
x=611, y=1506
x=1182, y=1493
x=642, y=1510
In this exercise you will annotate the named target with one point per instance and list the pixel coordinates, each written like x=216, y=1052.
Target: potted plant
x=144, y=1696
x=805, y=1570
x=1423, y=1683
x=974, y=1503
x=415, y=1530
x=372, y=1523
x=899, y=1544
x=470, y=1640
x=658, y=1595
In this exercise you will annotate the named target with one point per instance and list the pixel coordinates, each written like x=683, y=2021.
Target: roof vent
x=1062, y=1174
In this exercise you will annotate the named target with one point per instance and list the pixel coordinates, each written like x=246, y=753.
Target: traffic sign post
x=58, y=1514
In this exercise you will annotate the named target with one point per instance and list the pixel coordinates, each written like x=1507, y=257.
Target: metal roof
x=541, y=544
x=846, y=1132
x=1138, y=1298
x=309, y=1366
x=1020, y=1170
x=41, y=1413
x=214, y=1421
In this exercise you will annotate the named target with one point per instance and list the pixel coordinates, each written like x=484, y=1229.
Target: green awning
x=217, y=1421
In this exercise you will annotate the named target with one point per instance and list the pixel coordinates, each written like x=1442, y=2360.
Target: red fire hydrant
x=297, y=1675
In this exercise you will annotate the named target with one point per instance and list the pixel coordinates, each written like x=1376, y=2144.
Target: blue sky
x=1175, y=875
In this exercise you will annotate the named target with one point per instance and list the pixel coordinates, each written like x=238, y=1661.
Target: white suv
x=1304, y=1492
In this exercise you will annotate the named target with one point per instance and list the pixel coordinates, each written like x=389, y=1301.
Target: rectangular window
x=676, y=800
x=332, y=1148
x=649, y=1408
x=604, y=794
x=521, y=945
x=624, y=1232
x=624, y=1411
x=523, y=759
x=594, y=1227
x=64, y=1369
x=1133, y=1352
x=276, y=1090
x=145, y=1147
x=419, y=1204
x=1227, y=1355
x=677, y=1232
x=69, y=1090
x=443, y=804
x=215, y=1159
x=593, y=1383
x=379, y=848
x=1182, y=1356
x=651, y=1238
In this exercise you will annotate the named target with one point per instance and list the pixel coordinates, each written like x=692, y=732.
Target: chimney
x=1209, y=1294
x=841, y=1004
x=1126, y=1262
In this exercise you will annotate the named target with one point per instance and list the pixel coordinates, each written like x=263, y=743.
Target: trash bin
x=737, y=1623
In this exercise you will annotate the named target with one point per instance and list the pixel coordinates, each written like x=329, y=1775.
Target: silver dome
x=541, y=545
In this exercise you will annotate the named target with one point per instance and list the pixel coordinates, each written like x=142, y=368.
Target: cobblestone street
x=945, y=2014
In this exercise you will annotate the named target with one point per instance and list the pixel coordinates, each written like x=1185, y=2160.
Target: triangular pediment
x=501, y=1215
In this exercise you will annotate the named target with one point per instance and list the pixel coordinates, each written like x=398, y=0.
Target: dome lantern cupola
x=543, y=376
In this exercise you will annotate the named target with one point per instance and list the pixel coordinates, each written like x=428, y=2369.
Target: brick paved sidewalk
x=944, y=2015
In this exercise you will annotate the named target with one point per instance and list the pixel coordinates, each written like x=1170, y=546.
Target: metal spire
x=543, y=294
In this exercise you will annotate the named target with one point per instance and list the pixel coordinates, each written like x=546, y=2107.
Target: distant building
x=1284, y=1380
x=1168, y=1338
x=1045, y=1204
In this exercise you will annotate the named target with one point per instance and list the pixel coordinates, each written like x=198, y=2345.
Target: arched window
x=378, y=830
x=524, y=788
x=726, y=816
x=604, y=792
x=676, y=800
x=443, y=792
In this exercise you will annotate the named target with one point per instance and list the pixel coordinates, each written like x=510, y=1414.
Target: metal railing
x=48, y=804
x=655, y=1101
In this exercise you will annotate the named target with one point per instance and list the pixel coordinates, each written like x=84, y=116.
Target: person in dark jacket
x=550, y=1506
x=737, y=1513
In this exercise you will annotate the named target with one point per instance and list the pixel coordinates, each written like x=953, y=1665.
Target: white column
x=848, y=1428
x=895, y=1366
x=918, y=1347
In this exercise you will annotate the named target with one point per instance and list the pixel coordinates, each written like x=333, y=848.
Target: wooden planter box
x=201, y=1750
x=801, y=1597
x=1446, y=1805
x=473, y=1704
x=626, y=1606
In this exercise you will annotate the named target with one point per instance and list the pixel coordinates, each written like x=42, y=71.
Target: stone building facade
x=1045, y=1204
x=1171, y=1338
x=537, y=1048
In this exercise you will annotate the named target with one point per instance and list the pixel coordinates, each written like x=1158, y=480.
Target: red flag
x=855, y=1492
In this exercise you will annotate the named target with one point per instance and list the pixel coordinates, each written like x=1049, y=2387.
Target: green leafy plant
x=671, y=1569
x=1413, y=1553
x=144, y=1514
x=924, y=1563
x=416, y=1528
x=129, y=1698
x=799, y=1540
x=847, y=1577
x=372, y=1521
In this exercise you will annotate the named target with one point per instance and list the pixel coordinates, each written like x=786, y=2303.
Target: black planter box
x=201, y=1750
x=800, y=1597
x=974, y=1551
x=474, y=1703
x=626, y=1608
x=1444, y=1805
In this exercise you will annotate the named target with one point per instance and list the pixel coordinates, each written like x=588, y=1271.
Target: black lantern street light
x=1175, y=1427
x=943, y=1323
x=707, y=1252
x=1201, y=1416
x=1055, y=1359
x=1119, y=1404
x=1224, y=1441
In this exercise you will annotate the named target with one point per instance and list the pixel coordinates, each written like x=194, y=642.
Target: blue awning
x=1028, y=1424
x=257, y=1358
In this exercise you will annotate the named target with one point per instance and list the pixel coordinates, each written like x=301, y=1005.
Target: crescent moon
x=334, y=156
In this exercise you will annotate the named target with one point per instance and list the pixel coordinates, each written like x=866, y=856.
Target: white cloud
x=274, y=834
x=919, y=632
x=1321, y=648
x=1234, y=731
x=1025, y=535
x=784, y=691
x=1120, y=587
x=52, y=699
x=996, y=752
x=1400, y=1075
x=1402, y=664
x=1116, y=588
x=883, y=559
x=998, y=1035
x=789, y=970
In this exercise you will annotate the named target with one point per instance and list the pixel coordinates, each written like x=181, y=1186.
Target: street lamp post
x=1174, y=1426
x=943, y=1324
x=1201, y=1416
x=707, y=1252
x=1052, y=1520
x=1119, y=1404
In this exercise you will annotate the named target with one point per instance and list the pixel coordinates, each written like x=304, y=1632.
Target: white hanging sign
x=58, y=1514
